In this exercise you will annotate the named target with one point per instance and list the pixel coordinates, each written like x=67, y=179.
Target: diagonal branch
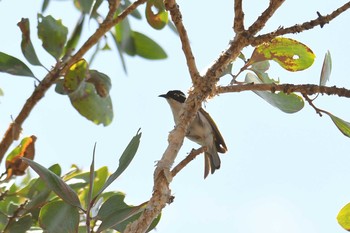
x=176, y=17
x=319, y=21
x=13, y=130
x=265, y=16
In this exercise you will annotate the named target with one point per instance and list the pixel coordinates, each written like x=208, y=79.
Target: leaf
x=101, y=82
x=75, y=76
x=45, y=5
x=55, y=183
x=344, y=217
x=91, y=177
x=95, y=7
x=124, y=160
x=227, y=70
x=26, y=44
x=160, y=19
x=58, y=216
x=53, y=35
x=115, y=210
x=147, y=48
x=135, y=13
x=90, y=105
x=84, y=6
x=12, y=65
x=326, y=69
x=290, y=103
x=21, y=225
x=288, y=53
x=123, y=37
x=74, y=39
x=342, y=125
x=14, y=164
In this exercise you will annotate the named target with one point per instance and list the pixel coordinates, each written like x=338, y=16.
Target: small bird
x=202, y=130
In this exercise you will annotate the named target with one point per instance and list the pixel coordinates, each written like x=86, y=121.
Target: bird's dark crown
x=176, y=95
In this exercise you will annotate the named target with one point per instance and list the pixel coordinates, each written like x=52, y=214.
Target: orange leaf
x=14, y=164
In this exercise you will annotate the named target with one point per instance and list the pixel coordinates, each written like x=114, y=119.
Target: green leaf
x=1, y=92
x=95, y=7
x=75, y=76
x=12, y=65
x=74, y=39
x=90, y=105
x=45, y=5
x=84, y=6
x=123, y=38
x=227, y=70
x=21, y=225
x=53, y=35
x=326, y=69
x=135, y=13
x=58, y=217
x=91, y=177
x=290, y=103
x=342, y=125
x=147, y=48
x=60, y=88
x=114, y=211
x=55, y=183
x=288, y=53
x=157, y=20
x=124, y=160
x=26, y=44
x=101, y=82
x=344, y=217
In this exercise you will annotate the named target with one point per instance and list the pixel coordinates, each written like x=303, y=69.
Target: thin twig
x=318, y=111
x=194, y=153
x=319, y=21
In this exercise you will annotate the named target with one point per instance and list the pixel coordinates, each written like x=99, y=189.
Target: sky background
x=282, y=173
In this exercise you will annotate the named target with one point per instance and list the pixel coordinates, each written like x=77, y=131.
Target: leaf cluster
x=73, y=202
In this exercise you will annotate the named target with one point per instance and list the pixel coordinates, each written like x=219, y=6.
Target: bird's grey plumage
x=202, y=130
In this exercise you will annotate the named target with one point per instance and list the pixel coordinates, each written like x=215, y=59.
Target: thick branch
x=238, y=24
x=307, y=89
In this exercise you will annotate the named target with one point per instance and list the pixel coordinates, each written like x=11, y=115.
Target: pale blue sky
x=282, y=173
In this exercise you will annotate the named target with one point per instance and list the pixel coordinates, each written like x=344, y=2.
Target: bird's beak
x=164, y=96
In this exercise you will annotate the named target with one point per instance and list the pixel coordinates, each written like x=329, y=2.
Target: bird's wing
x=219, y=140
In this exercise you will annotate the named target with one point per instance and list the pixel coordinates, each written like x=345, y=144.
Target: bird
x=201, y=130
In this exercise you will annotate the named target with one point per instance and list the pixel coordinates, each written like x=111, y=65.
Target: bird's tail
x=211, y=161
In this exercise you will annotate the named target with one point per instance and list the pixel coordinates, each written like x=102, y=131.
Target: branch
x=265, y=16
x=187, y=160
x=176, y=17
x=15, y=127
x=238, y=23
x=308, y=89
x=105, y=26
x=12, y=132
x=319, y=21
